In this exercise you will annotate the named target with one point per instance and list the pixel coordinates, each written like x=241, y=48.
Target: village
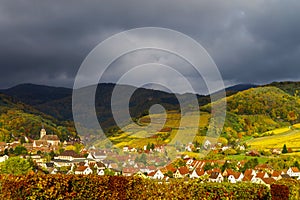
x=150, y=162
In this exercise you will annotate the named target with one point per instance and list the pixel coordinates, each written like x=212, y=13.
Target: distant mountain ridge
x=37, y=94
x=57, y=101
x=241, y=87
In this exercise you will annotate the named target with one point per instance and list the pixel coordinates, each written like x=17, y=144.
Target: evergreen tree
x=6, y=152
x=152, y=146
x=284, y=149
x=148, y=146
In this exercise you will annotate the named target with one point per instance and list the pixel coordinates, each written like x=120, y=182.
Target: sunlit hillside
x=18, y=120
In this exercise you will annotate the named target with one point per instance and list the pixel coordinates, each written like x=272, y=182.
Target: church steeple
x=42, y=132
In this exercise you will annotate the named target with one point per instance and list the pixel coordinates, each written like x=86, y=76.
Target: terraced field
x=288, y=136
x=182, y=129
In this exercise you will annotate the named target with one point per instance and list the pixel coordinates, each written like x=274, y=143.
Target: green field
x=241, y=157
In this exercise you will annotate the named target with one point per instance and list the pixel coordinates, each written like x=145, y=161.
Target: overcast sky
x=45, y=42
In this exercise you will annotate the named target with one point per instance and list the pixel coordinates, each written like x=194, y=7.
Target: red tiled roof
x=276, y=173
x=213, y=170
x=199, y=171
x=171, y=168
x=247, y=177
x=228, y=172
x=198, y=164
x=295, y=169
x=152, y=173
x=260, y=175
x=81, y=168
x=248, y=172
x=183, y=170
x=268, y=181
x=236, y=175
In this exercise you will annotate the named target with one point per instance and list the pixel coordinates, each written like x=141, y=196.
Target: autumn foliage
x=118, y=187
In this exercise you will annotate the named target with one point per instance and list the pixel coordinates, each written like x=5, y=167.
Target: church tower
x=42, y=133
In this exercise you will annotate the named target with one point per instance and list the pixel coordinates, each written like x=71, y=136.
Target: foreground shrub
x=293, y=187
x=279, y=192
x=119, y=187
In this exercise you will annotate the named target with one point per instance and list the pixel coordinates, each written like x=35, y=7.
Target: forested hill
x=57, y=101
x=292, y=88
x=24, y=108
x=18, y=120
x=255, y=111
x=269, y=101
x=32, y=94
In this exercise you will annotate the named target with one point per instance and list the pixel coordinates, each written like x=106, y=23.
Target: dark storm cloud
x=46, y=41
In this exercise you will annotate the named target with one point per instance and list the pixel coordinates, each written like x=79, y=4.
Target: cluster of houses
x=103, y=162
x=46, y=143
x=97, y=163
x=261, y=174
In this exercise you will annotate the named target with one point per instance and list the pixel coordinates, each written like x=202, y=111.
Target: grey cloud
x=45, y=41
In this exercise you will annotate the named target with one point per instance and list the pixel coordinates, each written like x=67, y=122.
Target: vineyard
x=35, y=186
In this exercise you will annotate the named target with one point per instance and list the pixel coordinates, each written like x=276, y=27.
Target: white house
x=197, y=173
x=101, y=172
x=216, y=177
x=276, y=175
x=293, y=172
x=3, y=158
x=249, y=172
x=181, y=172
x=85, y=170
x=156, y=175
x=235, y=177
x=98, y=156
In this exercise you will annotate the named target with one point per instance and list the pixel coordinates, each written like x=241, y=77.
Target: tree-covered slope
x=257, y=110
x=18, y=119
x=290, y=87
x=269, y=101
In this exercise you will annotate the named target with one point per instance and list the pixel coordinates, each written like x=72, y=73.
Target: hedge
x=293, y=189
x=118, y=187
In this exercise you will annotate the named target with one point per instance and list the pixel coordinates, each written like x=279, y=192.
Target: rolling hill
x=18, y=120
x=252, y=111
x=57, y=101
